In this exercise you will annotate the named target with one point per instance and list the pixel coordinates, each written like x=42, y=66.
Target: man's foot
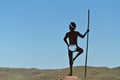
x=69, y=74
x=73, y=60
x=76, y=57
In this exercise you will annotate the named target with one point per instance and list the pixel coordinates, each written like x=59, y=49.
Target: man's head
x=72, y=26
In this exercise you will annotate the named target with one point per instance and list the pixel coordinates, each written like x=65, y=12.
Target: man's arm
x=82, y=36
x=65, y=40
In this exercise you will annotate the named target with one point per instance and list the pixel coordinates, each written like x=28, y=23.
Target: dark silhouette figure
x=72, y=36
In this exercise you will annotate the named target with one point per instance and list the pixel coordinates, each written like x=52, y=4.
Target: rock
x=69, y=78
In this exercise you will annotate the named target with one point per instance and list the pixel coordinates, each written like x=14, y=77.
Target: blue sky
x=32, y=31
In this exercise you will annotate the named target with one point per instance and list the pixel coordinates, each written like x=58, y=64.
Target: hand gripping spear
x=87, y=46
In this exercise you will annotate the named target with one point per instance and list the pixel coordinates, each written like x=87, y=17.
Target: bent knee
x=80, y=50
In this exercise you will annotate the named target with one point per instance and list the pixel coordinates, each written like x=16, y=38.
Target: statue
x=71, y=41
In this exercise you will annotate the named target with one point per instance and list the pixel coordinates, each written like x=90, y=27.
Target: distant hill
x=94, y=73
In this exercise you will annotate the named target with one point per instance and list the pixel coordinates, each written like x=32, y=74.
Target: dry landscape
x=94, y=73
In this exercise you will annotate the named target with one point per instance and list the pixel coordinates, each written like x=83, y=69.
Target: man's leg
x=80, y=51
x=70, y=54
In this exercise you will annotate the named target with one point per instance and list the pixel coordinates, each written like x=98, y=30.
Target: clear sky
x=32, y=31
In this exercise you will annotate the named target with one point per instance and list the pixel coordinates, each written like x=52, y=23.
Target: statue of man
x=72, y=44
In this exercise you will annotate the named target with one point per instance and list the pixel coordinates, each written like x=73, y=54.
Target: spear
x=87, y=46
